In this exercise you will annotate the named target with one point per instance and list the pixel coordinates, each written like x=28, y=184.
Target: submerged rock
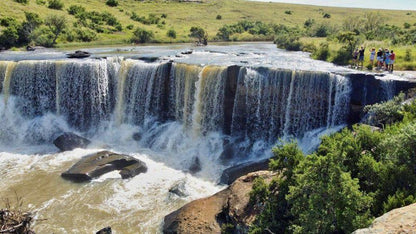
x=106, y=230
x=179, y=189
x=207, y=214
x=70, y=141
x=95, y=165
x=195, y=165
x=230, y=174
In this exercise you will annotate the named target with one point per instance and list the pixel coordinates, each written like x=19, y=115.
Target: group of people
x=384, y=58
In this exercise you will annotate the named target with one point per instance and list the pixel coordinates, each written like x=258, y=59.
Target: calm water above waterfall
x=184, y=106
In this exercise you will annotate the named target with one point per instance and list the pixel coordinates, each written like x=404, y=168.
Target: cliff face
x=206, y=215
x=401, y=220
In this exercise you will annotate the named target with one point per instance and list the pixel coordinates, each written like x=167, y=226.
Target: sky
x=376, y=4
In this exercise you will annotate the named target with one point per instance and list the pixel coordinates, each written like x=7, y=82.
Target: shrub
x=288, y=41
x=219, y=17
x=41, y=2
x=86, y=35
x=399, y=199
x=327, y=15
x=112, y=3
x=308, y=23
x=55, y=4
x=342, y=57
x=171, y=33
x=22, y=1
x=164, y=16
x=130, y=26
x=142, y=36
x=288, y=12
x=408, y=55
x=322, y=53
x=76, y=9
x=406, y=25
x=381, y=114
x=44, y=36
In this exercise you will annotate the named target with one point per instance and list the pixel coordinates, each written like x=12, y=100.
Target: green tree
x=142, y=36
x=333, y=199
x=199, y=33
x=32, y=22
x=56, y=25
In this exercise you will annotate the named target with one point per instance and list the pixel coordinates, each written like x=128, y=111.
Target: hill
x=162, y=16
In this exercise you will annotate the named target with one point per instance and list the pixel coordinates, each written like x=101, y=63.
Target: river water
x=181, y=105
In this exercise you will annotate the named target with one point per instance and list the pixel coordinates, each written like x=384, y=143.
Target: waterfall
x=249, y=103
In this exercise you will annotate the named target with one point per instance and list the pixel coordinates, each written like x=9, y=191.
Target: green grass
x=182, y=16
x=399, y=50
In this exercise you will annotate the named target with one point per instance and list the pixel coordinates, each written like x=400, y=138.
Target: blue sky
x=376, y=4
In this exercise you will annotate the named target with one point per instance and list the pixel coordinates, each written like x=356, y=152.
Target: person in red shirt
x=392, y=58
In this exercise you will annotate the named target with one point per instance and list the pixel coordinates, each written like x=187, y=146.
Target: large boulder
x=401, y=220
x=95, y=165
x=230, y=174
x=207, y=214
x=70, y=141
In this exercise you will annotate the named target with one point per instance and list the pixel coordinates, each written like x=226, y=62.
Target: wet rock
x=70, y=141
x=195, y=165
x=207, y=214
x=230, y=174
x=179, y=189
x=106, y=230
x=137, y=136
x=95, y=165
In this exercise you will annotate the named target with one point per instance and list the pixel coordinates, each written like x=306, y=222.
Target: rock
x=195, y=165
x=230, y=174
x=179, y=189
x=106, y=230
x=401, y=220
x=79, y=54
x=137, y=136
x=207, y=214
x=95, y=165
x=70, y=141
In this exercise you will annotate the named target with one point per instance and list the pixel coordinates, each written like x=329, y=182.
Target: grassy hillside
x=181, y=16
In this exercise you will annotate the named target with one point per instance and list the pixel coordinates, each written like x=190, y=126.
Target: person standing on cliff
x=361, y=57
x=391, y=62
x=379, y=59
x=372, y=56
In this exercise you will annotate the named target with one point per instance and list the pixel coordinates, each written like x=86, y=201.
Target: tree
x=142, y=36
x=333, y=199
x=56, y=25
x=32, y=22
x=199, y=33
x=349, y=39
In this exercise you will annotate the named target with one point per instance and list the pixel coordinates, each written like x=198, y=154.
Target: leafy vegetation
x=142, y=36
x=355, y=175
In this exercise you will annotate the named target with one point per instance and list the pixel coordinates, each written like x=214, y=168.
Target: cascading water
x=182, y=112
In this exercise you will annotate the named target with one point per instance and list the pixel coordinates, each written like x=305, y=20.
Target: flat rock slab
x=69, y=141
x=95, y=165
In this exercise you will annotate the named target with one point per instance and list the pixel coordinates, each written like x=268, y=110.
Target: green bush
x=22, y=1
x=41, y=2
x=288, y=12
x=327, y=15
x=408, y=55
x=171, y=33
x=384, y=113
x=76, y=10
x=112, y=3
x=55, y=4
x=322, y=53
x=342, y=57
x=406, y=25
x=219, y=17
x=44, y=36
x=130, y=26
x=142, y=36
x=288, y=42
x=399, y=199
